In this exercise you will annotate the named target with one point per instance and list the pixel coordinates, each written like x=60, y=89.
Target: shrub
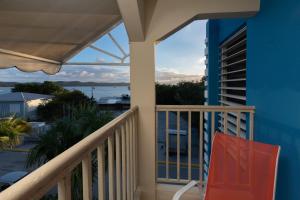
x=11, y=130
x=183, y=93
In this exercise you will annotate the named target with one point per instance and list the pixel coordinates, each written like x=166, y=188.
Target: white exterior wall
x=8, y=109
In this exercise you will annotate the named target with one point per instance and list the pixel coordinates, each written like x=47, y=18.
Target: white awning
x=42, y=35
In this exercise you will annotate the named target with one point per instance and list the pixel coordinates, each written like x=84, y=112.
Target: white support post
x=142, y=79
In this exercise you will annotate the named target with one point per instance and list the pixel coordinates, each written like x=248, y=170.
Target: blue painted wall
x=273, y=81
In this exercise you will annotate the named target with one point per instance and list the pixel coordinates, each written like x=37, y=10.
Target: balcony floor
x=166, y=192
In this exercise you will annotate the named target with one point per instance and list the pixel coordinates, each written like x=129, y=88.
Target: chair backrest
x=241, y=169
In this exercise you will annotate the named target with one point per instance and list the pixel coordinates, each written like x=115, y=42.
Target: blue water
x=99, y=91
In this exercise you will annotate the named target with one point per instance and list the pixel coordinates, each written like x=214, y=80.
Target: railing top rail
x=45, y=177
x=205, y=108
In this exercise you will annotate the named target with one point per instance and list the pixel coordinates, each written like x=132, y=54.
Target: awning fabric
x=41, y=35
x=28, y=64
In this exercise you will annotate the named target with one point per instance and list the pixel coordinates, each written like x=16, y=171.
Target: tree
x=190, y=93
x=11, y=130
x=165, y=94
x=62, y=105
x=183, y=93
x=65, y=133
x=46, y=87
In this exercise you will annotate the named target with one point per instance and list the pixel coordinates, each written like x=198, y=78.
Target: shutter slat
x=233, y=81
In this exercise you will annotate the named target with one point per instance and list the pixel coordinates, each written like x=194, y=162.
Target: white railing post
x=212, y=133
x=167, y=144
x=134, y=151
x=189, y=145
x=225, y=115
x=87, y=177
x=101, y=172
x=127, y=160
x=238, y=124
x=124, y=166
x=131, y=156
x=178, y=145
x=64, y=188
x=111, y=168
x=118, y=165
x=201, y=147
x=251, y=126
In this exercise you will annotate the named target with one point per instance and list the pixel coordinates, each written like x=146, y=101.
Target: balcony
x=116, y=149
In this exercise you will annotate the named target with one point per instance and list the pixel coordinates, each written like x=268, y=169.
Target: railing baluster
x=238, y=124
x=178, y=145
x=118, y=165
x=64, y=188
x=225, y=114
x=124, y=175
x=251, y=126
x=190, y=145
x=201, y=147
x=135, y=150
x=212, y=125
x=127, y=161
x=101, y=172
x=157, y=146
x=131, y=156
x=87, y=177
x=111, y=168
x=167, y=144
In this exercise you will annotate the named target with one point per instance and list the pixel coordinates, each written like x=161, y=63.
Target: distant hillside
x=70, y=83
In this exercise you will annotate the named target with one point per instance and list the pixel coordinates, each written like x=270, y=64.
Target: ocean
x=99, y=91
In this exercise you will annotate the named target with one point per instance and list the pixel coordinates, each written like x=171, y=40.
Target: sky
x=179, y=57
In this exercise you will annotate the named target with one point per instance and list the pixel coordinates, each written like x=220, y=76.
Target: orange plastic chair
x=239, y=170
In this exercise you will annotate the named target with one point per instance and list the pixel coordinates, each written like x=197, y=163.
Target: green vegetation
x=62, y=105
x=65, y=133
x=11, y=131
x=183, y=93
x=47, y=87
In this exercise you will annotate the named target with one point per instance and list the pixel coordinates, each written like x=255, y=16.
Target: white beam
x=169, y=16
x=132, y=12
x=116, y=43
x=105, y=52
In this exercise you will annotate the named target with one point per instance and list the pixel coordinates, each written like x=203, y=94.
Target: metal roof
x=12, y=177
x=22, y=96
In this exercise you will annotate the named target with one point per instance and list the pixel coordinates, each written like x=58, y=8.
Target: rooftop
x=22, y=96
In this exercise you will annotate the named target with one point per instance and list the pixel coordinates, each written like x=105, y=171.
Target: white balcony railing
x=183, y=143
x=183, y=147
x=119, y=136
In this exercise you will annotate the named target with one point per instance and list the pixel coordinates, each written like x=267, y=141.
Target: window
x=233, y=79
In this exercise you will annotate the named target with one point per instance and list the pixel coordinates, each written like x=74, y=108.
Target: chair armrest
x=184, y=189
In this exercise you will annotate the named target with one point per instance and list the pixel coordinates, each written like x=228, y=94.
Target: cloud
x=201, y=60
x=170, y=77
x=95, y=74
x=86, y=74
x=100, y=60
